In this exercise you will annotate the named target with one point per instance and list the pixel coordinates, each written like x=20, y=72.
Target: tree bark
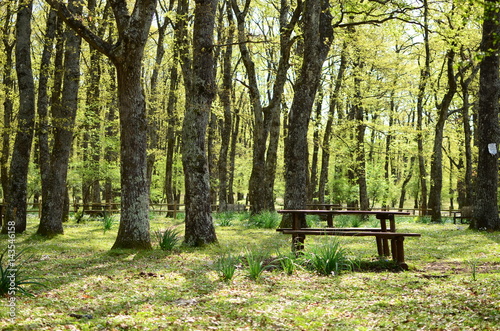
x=18, y=172
x=63, y=119
x=437, y=151
x=318, y=35
x=200, y=92
x=424, y=77
x=485, y=211
x=8, y=103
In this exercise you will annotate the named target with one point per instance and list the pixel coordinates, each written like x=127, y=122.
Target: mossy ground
x=453, y=284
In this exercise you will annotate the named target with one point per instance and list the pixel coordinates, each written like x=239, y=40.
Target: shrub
x=226, y=266
x=225, y=218
x=287, y=263
x=329, y=258
x=256, y=264
x=107, y=222
x=13, y=278
x=265, y=220
x=168, y=238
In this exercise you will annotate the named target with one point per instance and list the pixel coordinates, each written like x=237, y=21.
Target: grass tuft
x=168, y=239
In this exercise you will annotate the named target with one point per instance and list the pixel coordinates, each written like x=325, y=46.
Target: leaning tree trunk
x=18, y=172
x=64, y=115
x=318, y=34
x=200, y=93
x=437, y=152
x=485, y=213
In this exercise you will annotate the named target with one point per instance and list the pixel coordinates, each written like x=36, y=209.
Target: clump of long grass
x=167, y=239
x=328, y=258
x=13, y=279
x=256, y=264
x=265, y=220
x=226, y=266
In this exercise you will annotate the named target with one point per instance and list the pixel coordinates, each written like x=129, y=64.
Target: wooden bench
x=382, y=235
x=464, y=215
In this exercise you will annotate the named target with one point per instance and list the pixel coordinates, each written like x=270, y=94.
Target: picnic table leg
x=385, y=242
x=298, y=243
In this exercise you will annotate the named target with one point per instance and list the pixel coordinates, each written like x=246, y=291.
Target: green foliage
x=167, y=239
x=265, y=220
x=329, y=258
x=225, y=218
x=288, y=263
x=13, y=277
x=226, y=265
x=256, y=264
x=107, y=222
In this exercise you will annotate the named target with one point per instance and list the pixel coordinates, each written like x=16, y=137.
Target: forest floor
x=453, y=283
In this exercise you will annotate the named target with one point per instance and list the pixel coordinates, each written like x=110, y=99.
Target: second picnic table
x=382, y=235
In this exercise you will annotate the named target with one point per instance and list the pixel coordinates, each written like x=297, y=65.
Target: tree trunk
x=8, y=103
x=18, y=172
x=485, y=211
x=225, y=98
x=313, y=181
x=127, y=55
x=424, y=77
x=200, y=92
x=63, y=118
x=437, y=152
x=334, y=103
x=318, y=34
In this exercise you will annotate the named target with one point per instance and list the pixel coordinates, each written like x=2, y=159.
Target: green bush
x=256, y=264
x=265, y=220
x=328, y=258
x=13, y=278
x=225, y=218
x=107, y=222
x=168, y=238
x=226, y=266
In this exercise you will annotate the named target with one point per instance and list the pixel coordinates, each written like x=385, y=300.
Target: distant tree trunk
x=225, y=98
x=173, y=90
x=18, y=172
x=154, y=103
x=232, y=155
x=63, y=119
x=318, y=35
x=8, y=103
x=334, y=102
x=424, y=77
x=91, y=190
x=212, y=157
x=313, y=181
x=485, y=211
x=110, y=131
x=437, y=152
x=199, y=77
x=407, y=179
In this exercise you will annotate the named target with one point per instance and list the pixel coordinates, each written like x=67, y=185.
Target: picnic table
x=382, y=234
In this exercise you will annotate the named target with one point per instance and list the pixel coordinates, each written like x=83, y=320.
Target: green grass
x=452, y=283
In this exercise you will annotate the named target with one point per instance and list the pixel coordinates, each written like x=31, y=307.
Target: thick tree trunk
x=134, y=224
x=200, y=92
x=63, y=118
x=437, y=152
x=318, y=34
x=485, y=212
x=18, y=172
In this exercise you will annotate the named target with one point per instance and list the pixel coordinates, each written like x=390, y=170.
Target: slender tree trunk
x=334, y=102
x=313, y=181
x=318, y=34
x=225, y=97
x=8, y=103
x=18, y=172
x=63, y=118
x=437, y=152
x=424, y=77
x=485, y=212
x=200, y=92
